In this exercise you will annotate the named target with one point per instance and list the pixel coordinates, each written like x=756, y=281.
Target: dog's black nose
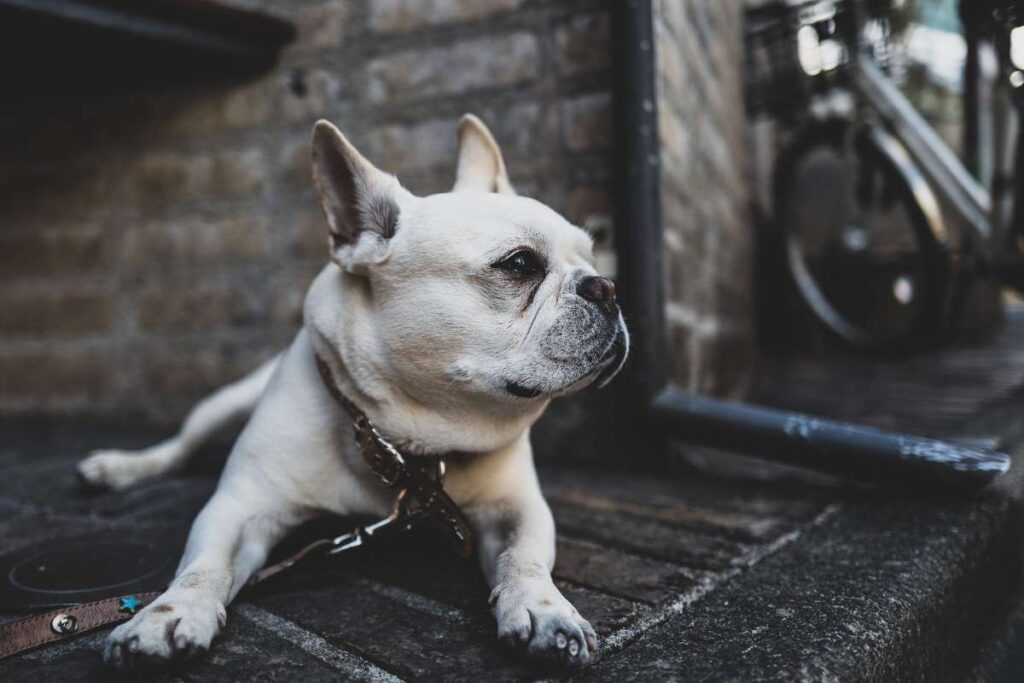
x=600, y=290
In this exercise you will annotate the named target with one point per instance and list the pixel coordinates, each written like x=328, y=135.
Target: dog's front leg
x=228, y=543
x=516, y=535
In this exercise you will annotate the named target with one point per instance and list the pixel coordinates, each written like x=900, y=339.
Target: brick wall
x=154, y=246
x=708, y=239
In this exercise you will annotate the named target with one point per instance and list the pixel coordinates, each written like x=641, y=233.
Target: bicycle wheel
x=863, y=236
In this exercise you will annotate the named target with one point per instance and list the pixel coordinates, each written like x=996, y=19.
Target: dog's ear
x=481, y=168
x=359, y=200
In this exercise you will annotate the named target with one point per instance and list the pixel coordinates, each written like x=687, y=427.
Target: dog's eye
x=523, y=263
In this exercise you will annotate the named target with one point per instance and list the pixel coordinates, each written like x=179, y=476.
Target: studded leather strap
x=66, y=622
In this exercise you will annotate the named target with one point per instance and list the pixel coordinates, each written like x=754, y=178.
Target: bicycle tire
x=927, y=325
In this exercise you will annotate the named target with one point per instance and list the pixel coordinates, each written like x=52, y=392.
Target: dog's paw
x=533, y=616
x=166, y=630
x=112, y=469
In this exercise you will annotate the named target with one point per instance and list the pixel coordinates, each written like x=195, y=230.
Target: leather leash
x=419, y=496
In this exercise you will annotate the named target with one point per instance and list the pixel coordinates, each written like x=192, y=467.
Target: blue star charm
x=130, y=604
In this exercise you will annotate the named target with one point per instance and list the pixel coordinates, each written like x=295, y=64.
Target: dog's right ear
x=359, y=200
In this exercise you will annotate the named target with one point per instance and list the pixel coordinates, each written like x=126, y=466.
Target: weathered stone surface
x=54, y=253
x=72, y=373
x=197, y=308
x=322, y=25
x=619, y=573
x=183, y=242
x=196, y=365
x=405, y=15
x=699, y=69
x=420, y=146
x=584, y=45
x=27, y=313
x=646, y=537
x=492, y=62
x=881, y=592
x=690, y=577
x=54, y=193
x=309, y=94
x=167, y=177
x=211, y=111
x=587, y=122
x=588, y=204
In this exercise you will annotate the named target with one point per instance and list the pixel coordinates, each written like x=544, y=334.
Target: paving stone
x=619, y=573
x=649, y=538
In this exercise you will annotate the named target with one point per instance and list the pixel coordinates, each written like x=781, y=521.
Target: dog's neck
x=341, y=331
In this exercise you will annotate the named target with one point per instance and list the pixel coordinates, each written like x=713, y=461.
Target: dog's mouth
x=521, y=390
x=597, y=377
x=613, y=360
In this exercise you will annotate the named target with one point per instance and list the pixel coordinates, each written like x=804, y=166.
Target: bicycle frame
x=940, y=166
x=972, y=203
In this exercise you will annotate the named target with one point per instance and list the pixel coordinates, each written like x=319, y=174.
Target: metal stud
x=64, y=624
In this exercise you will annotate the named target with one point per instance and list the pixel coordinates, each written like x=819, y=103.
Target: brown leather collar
x=422, y=493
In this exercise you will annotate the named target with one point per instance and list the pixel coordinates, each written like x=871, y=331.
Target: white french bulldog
x=451, y=321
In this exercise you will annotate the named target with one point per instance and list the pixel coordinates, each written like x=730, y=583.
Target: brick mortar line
x=708, y=583
x=352, y=664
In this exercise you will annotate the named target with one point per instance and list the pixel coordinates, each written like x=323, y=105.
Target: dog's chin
x=596, y=377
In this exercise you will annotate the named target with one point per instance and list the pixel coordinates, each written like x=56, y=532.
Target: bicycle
x=881, y=227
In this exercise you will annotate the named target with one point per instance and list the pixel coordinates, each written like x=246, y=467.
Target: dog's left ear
x=481, y=168
x=360, y=201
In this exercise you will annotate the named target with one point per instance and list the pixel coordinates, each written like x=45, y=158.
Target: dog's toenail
x=574, y=647
x=560, y=641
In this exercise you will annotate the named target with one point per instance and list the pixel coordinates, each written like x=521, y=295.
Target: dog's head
x=476, y=295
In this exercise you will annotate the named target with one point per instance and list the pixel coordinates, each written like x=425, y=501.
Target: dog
x=451, y=320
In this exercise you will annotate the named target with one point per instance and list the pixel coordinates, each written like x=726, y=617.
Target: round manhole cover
x=86, y=568
x=92, y=566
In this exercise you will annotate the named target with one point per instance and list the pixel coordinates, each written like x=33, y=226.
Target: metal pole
x=637, y=202
x=837, y=448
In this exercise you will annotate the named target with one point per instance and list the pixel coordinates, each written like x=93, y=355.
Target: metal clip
x=363, y=534
x=400, y=518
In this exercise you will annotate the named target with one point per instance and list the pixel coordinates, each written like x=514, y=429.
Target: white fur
x=423, y=333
